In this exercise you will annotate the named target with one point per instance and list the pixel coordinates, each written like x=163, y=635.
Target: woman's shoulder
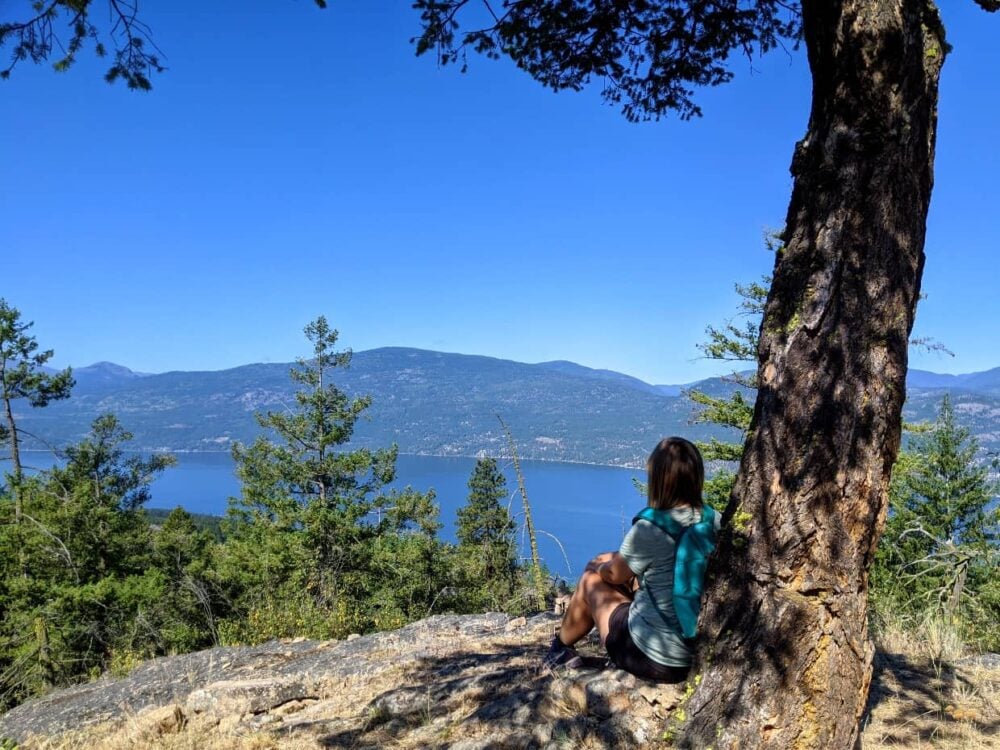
x=648, y=538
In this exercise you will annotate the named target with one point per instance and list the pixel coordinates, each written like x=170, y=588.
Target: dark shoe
x=560, y=655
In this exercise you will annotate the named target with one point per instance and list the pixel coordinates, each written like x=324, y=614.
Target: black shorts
x=626, y=655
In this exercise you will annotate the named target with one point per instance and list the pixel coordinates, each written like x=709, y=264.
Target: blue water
x=586, y=508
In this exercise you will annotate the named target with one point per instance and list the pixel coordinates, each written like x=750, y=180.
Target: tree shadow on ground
x=490, y=700
x=913, y=702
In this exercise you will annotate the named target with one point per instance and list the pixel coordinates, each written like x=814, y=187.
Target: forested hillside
x=446, y=404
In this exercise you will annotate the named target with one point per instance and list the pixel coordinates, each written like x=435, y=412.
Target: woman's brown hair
x=675, y=473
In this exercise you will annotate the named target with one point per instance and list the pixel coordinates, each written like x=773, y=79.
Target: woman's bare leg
x=592, y=603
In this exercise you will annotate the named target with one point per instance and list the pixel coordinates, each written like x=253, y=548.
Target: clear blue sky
x=293, y=162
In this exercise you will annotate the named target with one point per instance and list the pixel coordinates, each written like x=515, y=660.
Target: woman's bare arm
x=615, y=571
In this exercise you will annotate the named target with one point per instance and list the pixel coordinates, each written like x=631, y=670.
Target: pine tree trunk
x=15, y=459
x=957, y=587
x=45, y=663
x=785, y=657
x=536, y=561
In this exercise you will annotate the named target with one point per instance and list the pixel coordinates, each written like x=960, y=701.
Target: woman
x=629, y=595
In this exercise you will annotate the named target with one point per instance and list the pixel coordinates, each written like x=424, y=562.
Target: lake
x=586, y=508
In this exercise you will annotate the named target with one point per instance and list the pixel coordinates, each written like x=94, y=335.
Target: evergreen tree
x=948, y=491
x=296, y=485
x=23, y=377
x=311, y=516
x=101, y=492
x=487, y=551
x=737, y=344
x=192, y=603
x=92, y=594
x=936, y=547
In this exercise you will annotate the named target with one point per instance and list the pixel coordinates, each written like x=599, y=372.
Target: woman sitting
x=630, y=595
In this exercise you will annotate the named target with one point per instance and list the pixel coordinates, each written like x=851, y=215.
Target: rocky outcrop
x=466, y=683
x=461, y=682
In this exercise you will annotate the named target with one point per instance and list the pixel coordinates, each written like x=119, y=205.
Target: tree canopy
x=648, y=55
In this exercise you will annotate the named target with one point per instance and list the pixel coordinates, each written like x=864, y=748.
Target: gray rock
x=988, y=661
x=502, y=707
x=470, y=683
x=260, y=721
x=480, y=743
x=173, y=680
x=606, y=696
x=201, y=702
x=517, y=622
x=660, y=695
x=402, y=702
x=246, y=696
x=622, y=731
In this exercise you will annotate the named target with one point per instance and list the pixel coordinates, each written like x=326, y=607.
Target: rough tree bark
x=785, y=657
x=15, y=455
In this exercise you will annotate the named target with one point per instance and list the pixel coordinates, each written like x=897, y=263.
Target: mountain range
x=445, y=404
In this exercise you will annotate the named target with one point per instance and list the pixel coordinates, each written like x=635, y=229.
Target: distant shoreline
x=184, y=452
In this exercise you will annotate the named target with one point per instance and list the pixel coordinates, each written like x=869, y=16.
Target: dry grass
x=192, y=738
x=924, y=697
x=921, y=711
x=931, y=639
